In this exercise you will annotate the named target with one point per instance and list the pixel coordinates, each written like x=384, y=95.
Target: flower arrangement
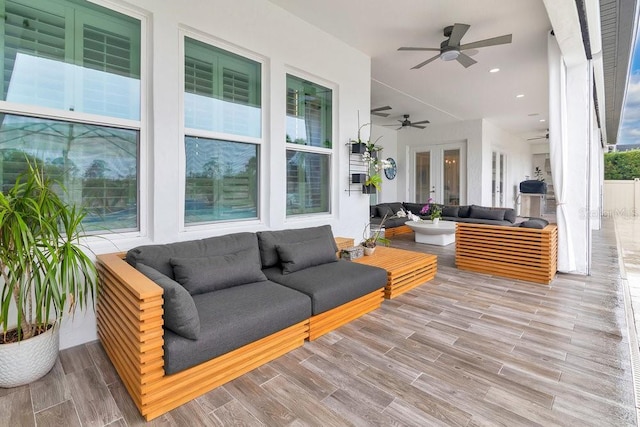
x=431, y=209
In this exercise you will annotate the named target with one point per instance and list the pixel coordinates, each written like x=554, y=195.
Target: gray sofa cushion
x=463, y=211
x=390, y=222
x=298, y=256
x=234, y=317
x=450, y=211
x=510, y=215
x=385, y=209
x=539, y=223
x=413, y=207
x=180, y=313
x=482, y=221
x=208, y=274
x=158, y=256
x=480, y=212
x=331, y=285
x=269, y=239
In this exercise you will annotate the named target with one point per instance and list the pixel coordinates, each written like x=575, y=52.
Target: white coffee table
x=443, y=233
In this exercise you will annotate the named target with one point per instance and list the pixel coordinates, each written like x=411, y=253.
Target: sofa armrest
x=130, y=324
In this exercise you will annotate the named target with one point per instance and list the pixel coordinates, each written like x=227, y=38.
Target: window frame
x=331, y=152
x=141, y=126
x=183, y=33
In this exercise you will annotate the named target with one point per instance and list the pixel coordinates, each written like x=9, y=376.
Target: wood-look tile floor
x=464, y=349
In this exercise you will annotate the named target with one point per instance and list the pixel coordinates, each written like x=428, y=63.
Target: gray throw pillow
x=208, y=274
x=510, y=215
x=298, y=256
x=385, y=209
x=538, y=223
x=463, y=211
x=180, y=312
x=480, y=212
x=450, y=211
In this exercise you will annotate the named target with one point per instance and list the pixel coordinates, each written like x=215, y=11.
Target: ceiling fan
x=545, y=136
x=451, y=48
x=377, y=111
x=407, y=123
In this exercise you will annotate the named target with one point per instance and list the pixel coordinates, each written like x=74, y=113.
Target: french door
x=438, y=172
x=498, y=178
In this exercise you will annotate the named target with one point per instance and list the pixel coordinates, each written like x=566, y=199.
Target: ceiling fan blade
x=385, y=108
x=413, y=125
x=506, y=39
x=389, y=125
x=465, y=60
x=430, y=49
x=459, y=30
x=422, y=64
x=420, y=122
x=373, y=113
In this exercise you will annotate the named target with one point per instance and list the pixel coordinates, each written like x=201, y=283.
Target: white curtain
x=558, y=144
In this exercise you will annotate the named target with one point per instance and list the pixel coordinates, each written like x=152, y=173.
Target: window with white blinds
x=221, y=97
x=59, y=54
x=222, y=91
x=309, y=147
x=79, y=58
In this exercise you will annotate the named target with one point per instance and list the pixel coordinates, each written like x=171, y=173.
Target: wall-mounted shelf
x=357, y=168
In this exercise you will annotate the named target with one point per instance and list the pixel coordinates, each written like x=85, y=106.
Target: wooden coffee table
x=405, y=269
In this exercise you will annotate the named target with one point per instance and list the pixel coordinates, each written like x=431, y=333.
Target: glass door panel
x=451, y=177
x=498, y=176
x=423, y=176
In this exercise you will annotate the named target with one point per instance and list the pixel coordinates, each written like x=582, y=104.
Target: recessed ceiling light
x=542, y=120
x=494, y=70
x=520, y=95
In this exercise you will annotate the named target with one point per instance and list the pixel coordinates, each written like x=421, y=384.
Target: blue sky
x=629, y=132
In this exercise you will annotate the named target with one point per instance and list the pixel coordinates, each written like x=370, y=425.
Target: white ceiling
x=445, y=92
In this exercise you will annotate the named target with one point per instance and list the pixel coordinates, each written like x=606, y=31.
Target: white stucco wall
x=286, y=44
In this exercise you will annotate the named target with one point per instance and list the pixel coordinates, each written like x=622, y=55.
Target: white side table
x=443, y=233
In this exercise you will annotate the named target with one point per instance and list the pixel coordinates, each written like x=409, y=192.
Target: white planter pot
x=369, y=251
x=29, y=360
x=435, y=220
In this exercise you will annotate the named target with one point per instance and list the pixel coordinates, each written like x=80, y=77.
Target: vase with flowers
x=432, y=210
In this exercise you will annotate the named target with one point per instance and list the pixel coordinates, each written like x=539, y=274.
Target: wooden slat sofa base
x=325, y=322
x=514, y=252
x=129, y=317
x=394, y=231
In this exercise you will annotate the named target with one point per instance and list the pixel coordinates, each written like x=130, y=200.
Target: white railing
x=621, y=198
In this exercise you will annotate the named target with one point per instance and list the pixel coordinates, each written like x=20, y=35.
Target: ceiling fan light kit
x=451, y=49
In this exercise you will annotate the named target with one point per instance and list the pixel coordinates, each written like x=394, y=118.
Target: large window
x=84, y=61
x=309, y=134
x=222, y=115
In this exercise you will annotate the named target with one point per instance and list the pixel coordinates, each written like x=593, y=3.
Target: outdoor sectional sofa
x=180, y=319
x=489, y=240
x=472, y=214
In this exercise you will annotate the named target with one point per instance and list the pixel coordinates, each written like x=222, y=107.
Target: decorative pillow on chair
x=298, y=256
x=180, y=313
x=538, y=223
x=208, y=274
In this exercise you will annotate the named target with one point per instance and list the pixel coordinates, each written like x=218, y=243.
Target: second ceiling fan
x=407, y=123
x=451, y=48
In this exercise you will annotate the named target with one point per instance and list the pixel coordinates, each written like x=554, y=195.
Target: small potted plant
x=45, y=274
x=372, y=238
x=433, y=211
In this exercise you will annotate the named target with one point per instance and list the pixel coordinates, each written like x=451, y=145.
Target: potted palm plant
x=45, y=274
